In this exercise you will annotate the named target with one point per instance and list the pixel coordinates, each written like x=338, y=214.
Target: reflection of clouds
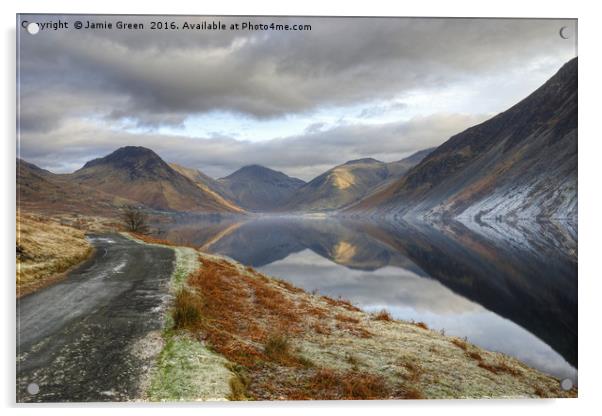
x=317, y=244
x=411, y=297
x=389, y=285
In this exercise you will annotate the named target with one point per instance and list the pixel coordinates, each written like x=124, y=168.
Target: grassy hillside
x=139, y=174
x=45, y=249
x=279, y=342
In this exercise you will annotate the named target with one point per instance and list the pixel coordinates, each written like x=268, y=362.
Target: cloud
x=314, y=128
x=378, y=110
x=85, y=93
x=156, y=78
x=304, y=156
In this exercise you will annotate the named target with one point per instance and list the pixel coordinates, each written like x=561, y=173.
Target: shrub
x=187, y=310
x=277, y=348
x=239, y=382
x=421, y=325
x=415, y=371
x=383, y=315
x=344, y=318
x=474, y=355
x=501, y=366
x=135, y=220
x=460, y=343
x=351, y=385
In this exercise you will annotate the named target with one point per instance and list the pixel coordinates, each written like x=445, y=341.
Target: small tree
x=135, y=220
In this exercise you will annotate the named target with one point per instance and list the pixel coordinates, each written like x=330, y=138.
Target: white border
x=590, y=202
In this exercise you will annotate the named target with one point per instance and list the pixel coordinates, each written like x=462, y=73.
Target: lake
x=510, y=288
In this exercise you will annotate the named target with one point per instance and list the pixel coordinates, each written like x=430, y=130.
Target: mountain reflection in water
x=506, y=287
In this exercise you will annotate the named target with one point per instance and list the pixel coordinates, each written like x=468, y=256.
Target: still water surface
x=508, y=288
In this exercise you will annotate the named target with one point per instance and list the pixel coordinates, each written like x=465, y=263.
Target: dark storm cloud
x=159, y=78
x=305, y=156
x=81, y=92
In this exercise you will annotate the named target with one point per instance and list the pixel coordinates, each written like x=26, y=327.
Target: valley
x=521, y=164
x=452, y=252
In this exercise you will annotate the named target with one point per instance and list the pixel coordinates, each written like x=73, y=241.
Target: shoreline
x=327, y=342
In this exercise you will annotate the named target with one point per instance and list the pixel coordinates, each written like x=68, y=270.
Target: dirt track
x=77, y=340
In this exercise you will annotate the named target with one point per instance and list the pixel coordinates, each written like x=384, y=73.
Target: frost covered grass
x=234, y=333
x=45, y=250
x=186, y=262
x=284, y=343
x=181, y=372
x=186, y=369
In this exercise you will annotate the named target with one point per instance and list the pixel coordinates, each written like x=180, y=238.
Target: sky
x=299, y=102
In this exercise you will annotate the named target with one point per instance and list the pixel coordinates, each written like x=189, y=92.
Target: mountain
x=521, y=163
x=36, y=187
x=42, y=191
x=399, y=168
x=347, y=183
x=258, y=188
x=139, y=174
x=208, y=184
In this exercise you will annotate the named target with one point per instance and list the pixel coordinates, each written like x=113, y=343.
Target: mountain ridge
x=140, y=174
x=348, y=182
x=521, y=163
x=259, y=188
